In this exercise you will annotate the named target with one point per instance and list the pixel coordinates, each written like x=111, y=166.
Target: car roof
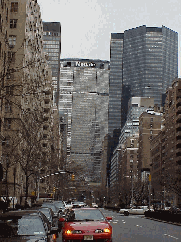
x=16, y=214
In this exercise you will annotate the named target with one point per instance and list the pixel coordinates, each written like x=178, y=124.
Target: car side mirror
x=109, y=218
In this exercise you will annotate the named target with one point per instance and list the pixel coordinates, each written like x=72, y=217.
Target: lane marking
x=171, y=236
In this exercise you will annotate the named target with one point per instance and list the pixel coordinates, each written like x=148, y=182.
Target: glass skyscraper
x=52, y=47
x=150, y=61
x=84, y=98
x=143, y=63
x=115, y=82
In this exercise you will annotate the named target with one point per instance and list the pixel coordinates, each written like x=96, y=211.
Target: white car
x=94, y=205
x=140, y=210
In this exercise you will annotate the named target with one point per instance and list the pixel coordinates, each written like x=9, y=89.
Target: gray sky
x=87, y=24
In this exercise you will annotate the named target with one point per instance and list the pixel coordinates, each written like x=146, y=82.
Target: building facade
x=150, y=126
x=144, y=61
x=136, y=106
x=84, y=97
x=115, y=83
x=52, y=48
x=150, y=61
x=26, y=96
x=171, y=144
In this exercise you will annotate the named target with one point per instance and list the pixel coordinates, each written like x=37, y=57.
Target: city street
x=139, y=229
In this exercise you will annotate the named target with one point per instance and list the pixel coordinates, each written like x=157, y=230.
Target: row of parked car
x=43, y=223
x=39, y=223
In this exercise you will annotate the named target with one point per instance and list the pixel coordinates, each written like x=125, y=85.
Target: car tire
x=126, y=213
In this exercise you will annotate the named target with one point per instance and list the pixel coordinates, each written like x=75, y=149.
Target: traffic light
x=54, y=189
x=73, y=177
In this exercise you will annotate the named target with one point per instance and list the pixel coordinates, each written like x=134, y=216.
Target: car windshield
x=87, y=215
x=25, y=226
x=30, y=226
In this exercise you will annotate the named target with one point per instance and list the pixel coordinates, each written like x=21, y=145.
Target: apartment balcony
x=178, y=151
x=178, y=102
x=178, y=125
x=178, y=118
x=178, y=159
x=178, y=142
x=178, y=108
x=178, y=133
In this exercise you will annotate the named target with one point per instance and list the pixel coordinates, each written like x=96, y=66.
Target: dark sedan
x=25, y=225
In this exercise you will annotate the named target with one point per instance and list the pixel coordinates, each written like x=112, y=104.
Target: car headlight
x=68, y=232
x=76, y=232
x=99, y=231
x=107, y=230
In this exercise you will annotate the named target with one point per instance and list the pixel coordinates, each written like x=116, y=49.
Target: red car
x=86, y=224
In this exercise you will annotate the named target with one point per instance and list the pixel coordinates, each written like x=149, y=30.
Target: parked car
x=140, y=210
x=60, y=206
x=94, y=205
x=25, y=225
x=53, y=207
x=84, y=224
x=50, y=216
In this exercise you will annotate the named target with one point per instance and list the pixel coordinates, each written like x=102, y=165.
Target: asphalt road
x=137, y=228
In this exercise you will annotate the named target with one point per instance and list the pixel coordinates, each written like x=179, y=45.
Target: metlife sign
x=85, y=64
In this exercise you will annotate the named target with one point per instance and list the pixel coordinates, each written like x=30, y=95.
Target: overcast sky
x=86, y=25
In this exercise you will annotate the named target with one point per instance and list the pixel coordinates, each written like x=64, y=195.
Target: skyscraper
x=147, y=58
x=115, y=83
x=150, y=61
x=83, y=103
x=52, y=47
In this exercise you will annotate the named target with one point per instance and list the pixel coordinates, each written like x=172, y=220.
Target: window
x=14, y=7
x=5, y=142
x=9, y=90
x=12, y=41
x=7, y=123
x=45, y=136
x=8, y=108
x=11, y=56
x=13, y=23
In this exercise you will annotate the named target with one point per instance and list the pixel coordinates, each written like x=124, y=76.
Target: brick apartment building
x=165, y=151
x=26, y=96
x=149, y=126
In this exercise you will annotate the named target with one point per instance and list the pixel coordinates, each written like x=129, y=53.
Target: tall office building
x=83, y=104
x=115, y=83
x=148, y=60
x=52, y=47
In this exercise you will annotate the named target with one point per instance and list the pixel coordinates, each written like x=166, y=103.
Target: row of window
x=51, y=34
